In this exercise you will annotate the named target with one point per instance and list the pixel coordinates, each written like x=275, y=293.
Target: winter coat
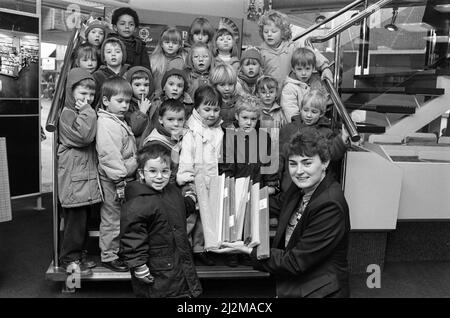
x=272, y=118
x=336, y=145
x=153, y=112
x=100, y=76
x=196, y=80
x=246, y=85
x=314, y=262
x=249, y=155
x=78, y=183
x=161, y=136
x=228, y=109
x=277, y=61
x=136, y=119
x=153, y=232
x=136, y=50
x=200, y=149
x=291, y=97
x=116, y=147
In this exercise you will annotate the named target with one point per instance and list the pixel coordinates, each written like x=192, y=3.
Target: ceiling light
x=445, y=8
x=391, y=26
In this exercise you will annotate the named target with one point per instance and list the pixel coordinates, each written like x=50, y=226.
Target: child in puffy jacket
x=116, y=147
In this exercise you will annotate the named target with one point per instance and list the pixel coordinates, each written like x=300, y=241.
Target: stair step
x=393, y=90
x=370, y=128
x=394, y=109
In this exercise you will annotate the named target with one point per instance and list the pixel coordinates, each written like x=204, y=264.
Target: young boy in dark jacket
x=125, y=21
x=137, y=116
x=312, y=113
x=153, y=230
x=113, y=57
x=78, y=186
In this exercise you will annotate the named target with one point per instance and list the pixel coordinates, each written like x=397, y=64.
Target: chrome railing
x=349, y=23
x=335, y=15
x=340, y=108
x=51, y=126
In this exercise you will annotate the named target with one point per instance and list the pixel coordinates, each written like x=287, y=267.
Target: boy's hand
x=271, y=190
x=345, y=135
x=143, y=274
x=144, y=104
x=120, y=192
x=326, y=73
x=80, y=103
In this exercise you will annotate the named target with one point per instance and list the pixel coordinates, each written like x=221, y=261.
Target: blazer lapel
x=293, y=196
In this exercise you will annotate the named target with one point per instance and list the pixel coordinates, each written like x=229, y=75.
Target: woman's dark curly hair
x=309, y=142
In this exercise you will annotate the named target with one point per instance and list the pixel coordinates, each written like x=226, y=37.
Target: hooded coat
x=153, y=232
x=136, y=50
x=77, y=160
x=116, y=147
x=277, y=61
x=100, y=76
x=136, y=119
x=291, y=97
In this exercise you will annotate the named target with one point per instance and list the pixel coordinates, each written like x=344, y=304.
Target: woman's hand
x=237, y=247
x=326, y=73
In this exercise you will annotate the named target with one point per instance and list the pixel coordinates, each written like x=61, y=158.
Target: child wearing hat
x=137, y=116
x=249, y=71
x=95, y=33
x=174, y=85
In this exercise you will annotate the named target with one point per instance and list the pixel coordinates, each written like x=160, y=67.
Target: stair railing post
x=363, y=51
x=55, y=201
x=337, y=73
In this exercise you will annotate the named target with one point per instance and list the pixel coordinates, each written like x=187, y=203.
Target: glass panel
x=19, y=5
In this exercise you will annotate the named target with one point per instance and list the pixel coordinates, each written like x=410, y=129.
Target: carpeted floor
x=26, y=252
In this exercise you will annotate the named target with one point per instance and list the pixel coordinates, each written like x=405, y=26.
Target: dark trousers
x=75, y=233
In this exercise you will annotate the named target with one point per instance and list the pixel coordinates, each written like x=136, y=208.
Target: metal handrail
x=340, y=108
x=51, y=125
x=318, y=25
x=60, y=86
x=357, y=18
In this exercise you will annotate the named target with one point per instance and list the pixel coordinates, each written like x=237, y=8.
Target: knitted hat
x=178, y=72
x=129, y=75
x=251, y=53
x=96, y=24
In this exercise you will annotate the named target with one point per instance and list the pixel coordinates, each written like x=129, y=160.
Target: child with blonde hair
x=225, y=48
x=312, y=113
x=277, y=47
x=223, y=77
x=199, y=65
x=168, y=54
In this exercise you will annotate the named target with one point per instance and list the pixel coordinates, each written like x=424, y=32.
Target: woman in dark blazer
x=309, y=252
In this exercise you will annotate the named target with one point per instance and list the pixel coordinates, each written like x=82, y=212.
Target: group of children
x=136, y=130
